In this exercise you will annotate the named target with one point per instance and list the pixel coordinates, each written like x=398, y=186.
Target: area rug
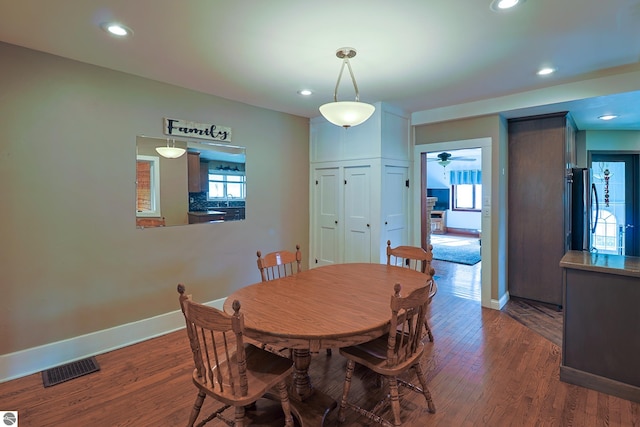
x=461, y=252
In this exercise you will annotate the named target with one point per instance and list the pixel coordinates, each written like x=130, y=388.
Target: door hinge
x=345, y=182
x=406, y=183
x=316, y=182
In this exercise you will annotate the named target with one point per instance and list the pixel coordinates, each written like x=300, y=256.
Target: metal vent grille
x=69, y=371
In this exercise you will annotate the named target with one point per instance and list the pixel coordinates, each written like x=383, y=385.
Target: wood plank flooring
x=464, y=281
x=484, y=369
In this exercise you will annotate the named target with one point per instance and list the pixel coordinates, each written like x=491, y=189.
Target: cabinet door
x=395, y=196
x=204, y=176
x=357, y=213
x=536, y=228
x=193, y=166
x=325, y=229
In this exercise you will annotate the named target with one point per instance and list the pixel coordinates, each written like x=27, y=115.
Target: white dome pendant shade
x=346, y=113
x=170, y=152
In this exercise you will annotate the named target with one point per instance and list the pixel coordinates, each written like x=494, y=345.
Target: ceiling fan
x=445, y=158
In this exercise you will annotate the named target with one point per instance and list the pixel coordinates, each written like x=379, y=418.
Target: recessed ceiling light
x=501, y=5
x=116, y=29
x=546, y=71
x=305, y=92
x=608, y=117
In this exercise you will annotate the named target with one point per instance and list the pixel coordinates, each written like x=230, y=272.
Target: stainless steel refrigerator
x=584, y=209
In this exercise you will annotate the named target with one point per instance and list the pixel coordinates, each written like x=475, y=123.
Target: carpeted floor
x=454, y=249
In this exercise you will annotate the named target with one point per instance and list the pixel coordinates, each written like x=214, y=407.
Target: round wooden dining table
x=331, y=306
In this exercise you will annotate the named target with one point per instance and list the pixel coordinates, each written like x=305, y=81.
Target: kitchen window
x=227, y=186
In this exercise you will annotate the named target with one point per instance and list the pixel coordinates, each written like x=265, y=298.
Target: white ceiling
x=415, y=54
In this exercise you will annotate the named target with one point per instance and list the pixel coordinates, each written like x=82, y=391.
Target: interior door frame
x=419, y=194
x=632, y=193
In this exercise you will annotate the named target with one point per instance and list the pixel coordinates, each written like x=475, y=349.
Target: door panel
x=617, y=179
x=395, y=207
x=357, y=210
x=327, y=206
x=536, y=203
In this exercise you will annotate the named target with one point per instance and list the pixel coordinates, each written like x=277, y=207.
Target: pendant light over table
x=346, y=113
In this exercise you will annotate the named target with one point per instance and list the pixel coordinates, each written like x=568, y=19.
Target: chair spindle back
x=279, y=264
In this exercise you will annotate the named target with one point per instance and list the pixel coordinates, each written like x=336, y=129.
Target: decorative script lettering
x=196, y=130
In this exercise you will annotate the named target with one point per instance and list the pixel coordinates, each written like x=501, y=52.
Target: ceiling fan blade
x=464, y=159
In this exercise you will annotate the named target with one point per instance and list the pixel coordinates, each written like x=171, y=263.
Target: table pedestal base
x=311, y=406
x=313, y=410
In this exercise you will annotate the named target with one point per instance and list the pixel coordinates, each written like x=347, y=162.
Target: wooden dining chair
x=275, y=265
x=417, y=259
x=228, y=370
x=391, y=355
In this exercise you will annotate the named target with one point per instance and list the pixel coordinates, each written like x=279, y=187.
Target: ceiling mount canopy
x=346, y=113
x=444, y=159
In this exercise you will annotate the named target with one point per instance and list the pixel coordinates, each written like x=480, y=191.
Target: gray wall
x=494, y=127
x=73, y=261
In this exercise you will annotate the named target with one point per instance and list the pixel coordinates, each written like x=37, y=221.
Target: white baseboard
x=36, y=359
x=498, y=304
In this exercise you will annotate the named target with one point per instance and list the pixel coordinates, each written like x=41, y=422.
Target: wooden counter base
x=600, y=344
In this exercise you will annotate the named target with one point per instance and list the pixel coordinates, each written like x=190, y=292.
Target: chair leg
x=196, y=408
x=395, y=400
x=239, y=420
x=286, y=406
x=426, y=326
x=425, y=390
x=345, y=391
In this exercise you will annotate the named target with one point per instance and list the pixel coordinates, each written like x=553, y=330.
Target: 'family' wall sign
x=177, y=127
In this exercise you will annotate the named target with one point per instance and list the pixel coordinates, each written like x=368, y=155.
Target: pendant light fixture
x=170, y=152
x=346, y=113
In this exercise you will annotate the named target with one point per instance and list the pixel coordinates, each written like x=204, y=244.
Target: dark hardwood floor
x=464, y=281
x=541, y=318
x=484, y=369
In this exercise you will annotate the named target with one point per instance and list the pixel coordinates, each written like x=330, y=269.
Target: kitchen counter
x=196, y=217
x=603, y=263
x=601, y=323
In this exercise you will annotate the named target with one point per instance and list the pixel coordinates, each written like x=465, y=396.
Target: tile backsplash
x=199, y=202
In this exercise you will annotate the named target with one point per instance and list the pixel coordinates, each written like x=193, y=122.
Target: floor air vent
x=69, y=371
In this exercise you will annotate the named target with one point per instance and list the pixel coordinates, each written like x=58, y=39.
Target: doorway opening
x=617, y=215
x=456, y=181
x=477, y=275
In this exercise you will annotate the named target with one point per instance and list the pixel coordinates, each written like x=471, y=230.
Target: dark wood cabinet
x=601, y=323
x=198, y=174
x=540, y=151
x=206, y=216
x=193, y=167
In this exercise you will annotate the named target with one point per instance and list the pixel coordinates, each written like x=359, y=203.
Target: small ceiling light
x=444, y=162
x=116, y=29
x=444, y=159
x=170, y=152
x=501, y=5
x=608, y=117
x=546, y=71
x=305, y=92
x=346, y=113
